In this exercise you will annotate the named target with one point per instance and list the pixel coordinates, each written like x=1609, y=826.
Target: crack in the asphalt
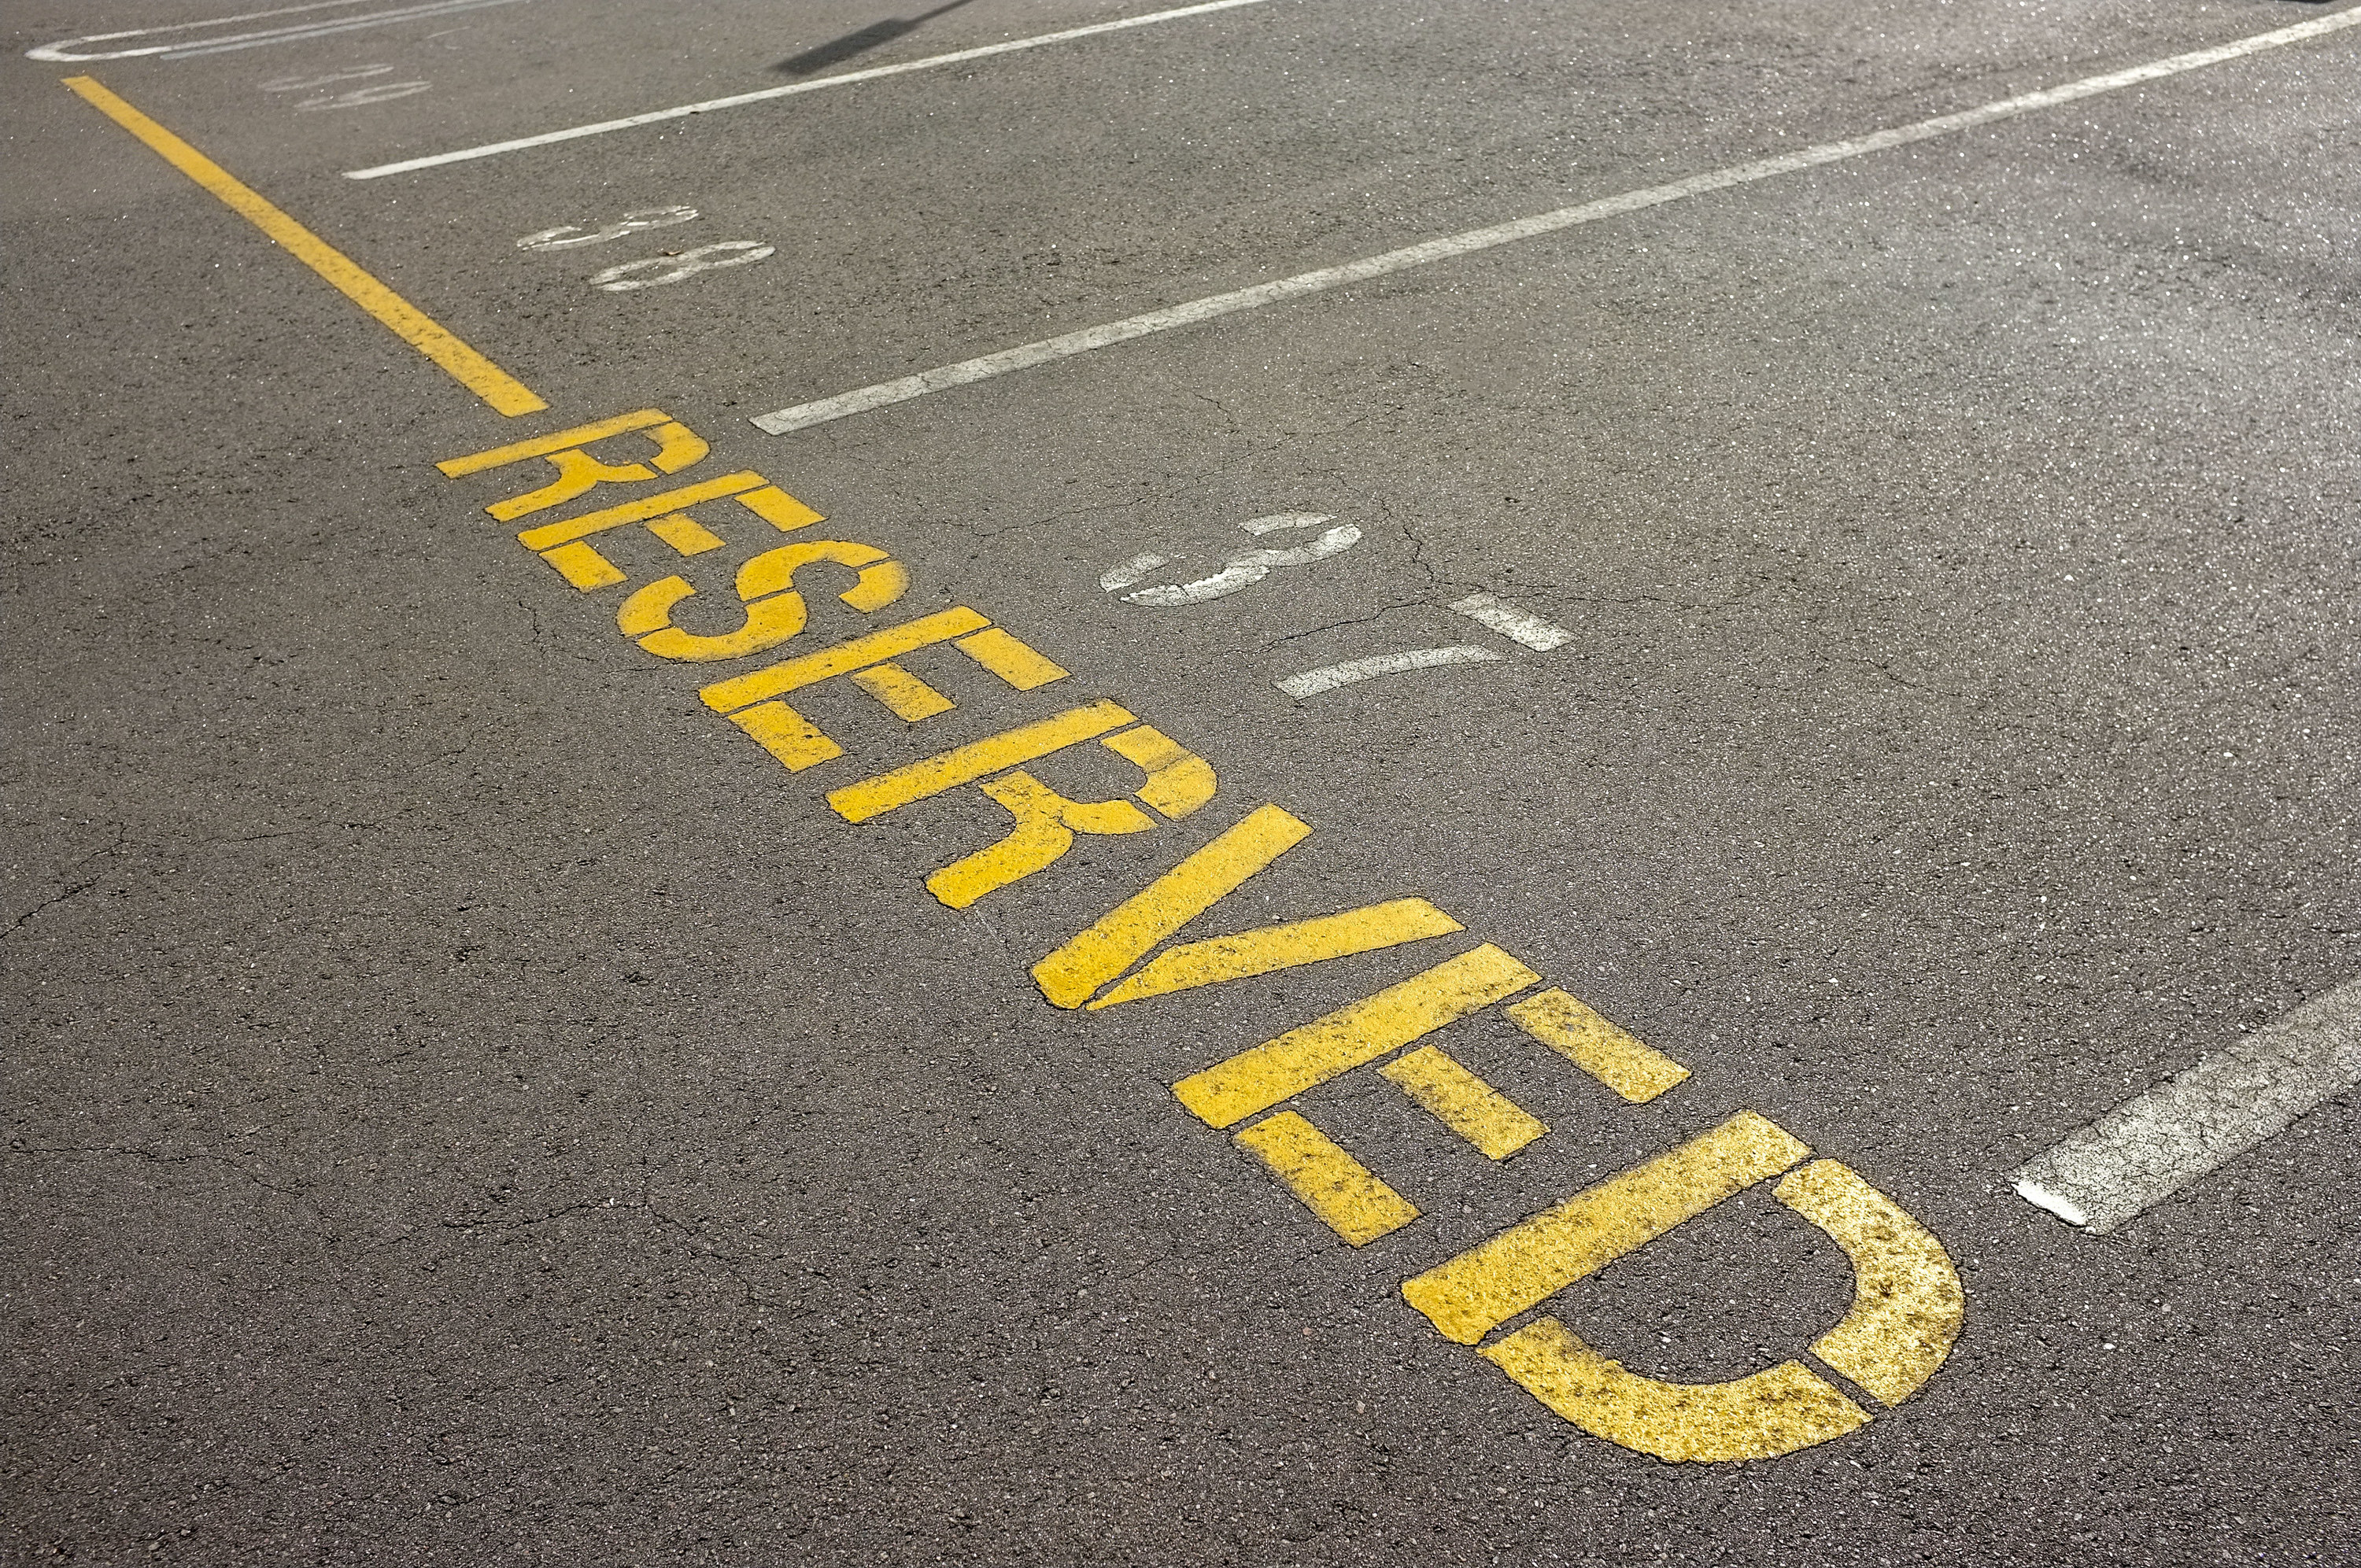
x=75, y=891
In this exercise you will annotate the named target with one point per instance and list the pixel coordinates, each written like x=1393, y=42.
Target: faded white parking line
x=2154, y=1145
x=1516, y=625
x=1328, y=677
x=903, y=389
x=65, y=49
x=654, y=116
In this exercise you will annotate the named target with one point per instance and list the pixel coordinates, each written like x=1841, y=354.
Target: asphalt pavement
x=1449, y=785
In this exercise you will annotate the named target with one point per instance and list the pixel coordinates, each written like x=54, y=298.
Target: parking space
x=1427, y=920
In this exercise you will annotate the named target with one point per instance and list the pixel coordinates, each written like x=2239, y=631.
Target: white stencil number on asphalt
x=573, y=237
x=1245, y=569
x=1242, y=569
x=652, y=271
x=353, y=98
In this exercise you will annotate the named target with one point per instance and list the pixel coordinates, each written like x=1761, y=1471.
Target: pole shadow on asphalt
x=859, y=42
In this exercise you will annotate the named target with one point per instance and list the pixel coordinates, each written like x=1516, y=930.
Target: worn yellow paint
x=1486, y=1286
x=1343, y=1191
x=769, y=622
x=1046, y=824
x=1596, y=1045
x=1273, y=948
x=1012, y=660
x=503, y=391
x=556, y=441
x=583, y=566
x=579, y=473
x=1907, y=1306
x=1255, y=1080
x=1776, y=1410
x=1112, y=942
x=1178, y=781
x=778, y=509
x=773, y=614
x=1038, y=838
x=648, y=608
x=787, y=735
x=881, y=583
x=685, y=535
x=1463, y=1103
x=645, y=509
x=840, y=658
x=904, y=695
x=874, y=797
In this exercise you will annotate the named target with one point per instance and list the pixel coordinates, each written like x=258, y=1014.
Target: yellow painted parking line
x=503, y=391
x=1290, y=946
x=1776, y=1410
x=1907, y=1304
x=1596, y=1045
x=1332, y=1184
x=1259, y=1078
x=1463, y=1103
x=1486, y=1286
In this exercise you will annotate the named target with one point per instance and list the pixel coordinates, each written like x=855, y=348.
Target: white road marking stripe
x=1248, y=567
x=1278, y=520
x=1517, y=625
x=2154, y=1145
x=654, y=116
x=62, y=51
x=1328, y=677
x=903, y=389
x=1131, y=571
x=323, y=29
x=59, y=50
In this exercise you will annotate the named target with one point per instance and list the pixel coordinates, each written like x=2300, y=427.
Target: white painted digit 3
x=652, y=271
x=569, y=236
x=1241, y=570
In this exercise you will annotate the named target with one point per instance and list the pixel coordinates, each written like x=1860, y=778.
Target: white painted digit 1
x=569, y=236
x=1241, y=570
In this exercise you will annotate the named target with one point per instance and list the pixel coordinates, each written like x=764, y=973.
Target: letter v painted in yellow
x=1126, y=933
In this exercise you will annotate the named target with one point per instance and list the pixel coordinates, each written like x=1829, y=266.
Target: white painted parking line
x=2151, y=1146
x=903, y=389
x=1328, y=677
x=63, y=50
x=1516, y=625
x=845, y=79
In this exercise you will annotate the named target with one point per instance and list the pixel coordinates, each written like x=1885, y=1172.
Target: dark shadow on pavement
x=861, y=41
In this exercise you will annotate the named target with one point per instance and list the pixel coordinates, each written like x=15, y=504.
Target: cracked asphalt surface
x=466, y=1104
